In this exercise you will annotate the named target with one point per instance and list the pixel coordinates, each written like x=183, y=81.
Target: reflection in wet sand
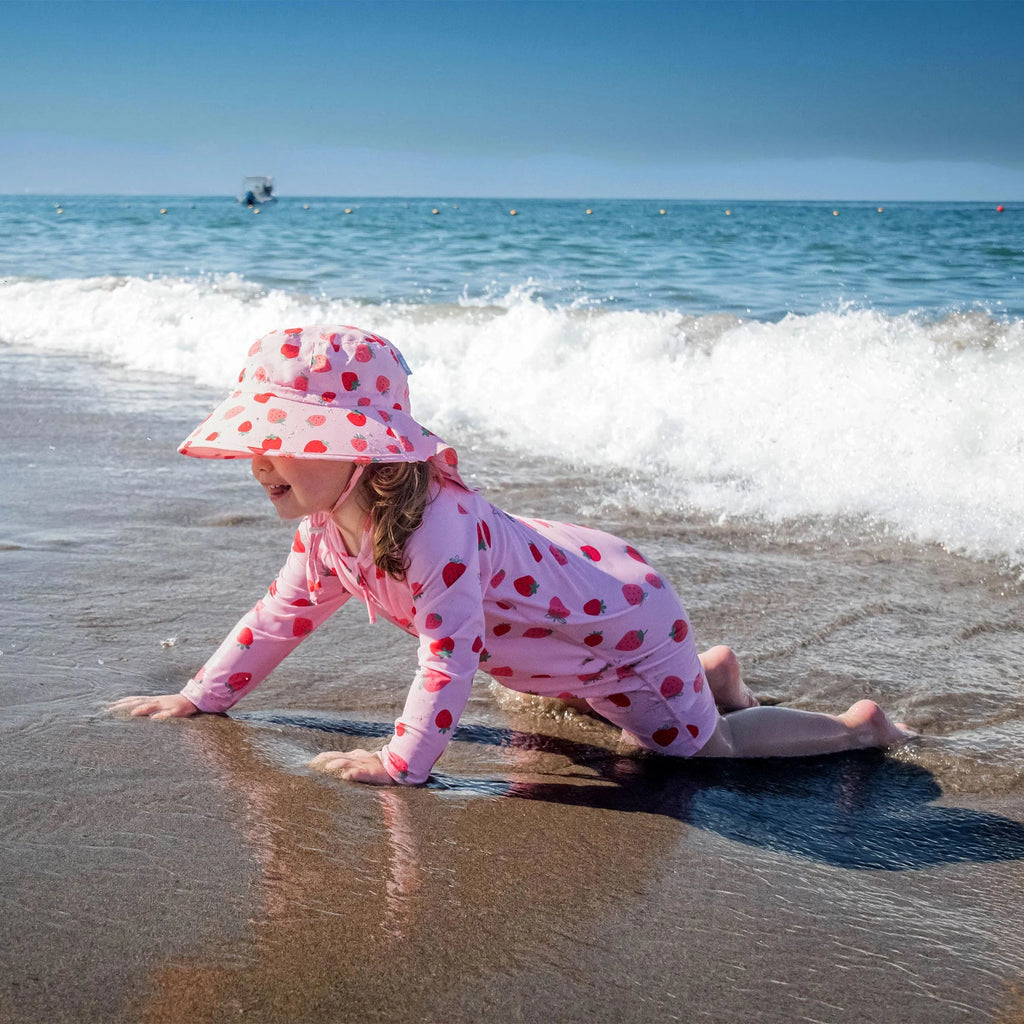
x=588, y=886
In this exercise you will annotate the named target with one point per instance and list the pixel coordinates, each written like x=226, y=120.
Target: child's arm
x=445, y=566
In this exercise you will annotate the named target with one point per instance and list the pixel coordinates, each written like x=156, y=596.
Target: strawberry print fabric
x=543, y=608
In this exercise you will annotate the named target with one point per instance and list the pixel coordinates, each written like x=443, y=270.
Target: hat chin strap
x=357, y=472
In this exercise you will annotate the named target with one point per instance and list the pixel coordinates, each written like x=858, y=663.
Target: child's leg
x=786, y=732
x=722, y=671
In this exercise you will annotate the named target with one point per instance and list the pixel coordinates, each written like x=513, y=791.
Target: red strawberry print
x=255, y=347
x=289, y=350
x=506, y=606
x=239, y=679
x=359, y=443
x=302, y=602
x=537, y=632
x=263, y=398
x=526, y=585
x=591, y=552
x=634, y=554
x=593, y=639
x=595, y=606
x=301, y=383
x=434, y=680
x=315, y=447
x=671, y=686
x=502, y=628
x=213, y=436
x=485, y=655
x=272, y=443
x=558, y=554
x=589, y=678
x=349, y=381
x=633, y=594
x=483, y=537
x=400, y=728
x=624, y=672
x=693, y=731
x=698, y=683
x=501, y=670
x=443, y=720
x=565, y=695
x=327, y=397
x=452, y=571
x=679, y=630
x=663, y=737
x=301, y=626
x=443, y=648
x=244, y=428
x=363, y=354
x=535, y=551
x=497, y=578
x=620, y=700
x=417, y=591
x=631, y=640
x=478, y=645
x=462, y=511
x=398, y=765
x=293, y=330
x=357, y=419
x=297, y=545
x=276, y=415
x=451, y=456
x=244, y=638
x=432, y=621
x=654, y=580
x=383, y=384
x=321, y=364
x=557, y=610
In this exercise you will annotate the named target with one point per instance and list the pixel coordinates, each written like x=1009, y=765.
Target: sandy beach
x=197, y=871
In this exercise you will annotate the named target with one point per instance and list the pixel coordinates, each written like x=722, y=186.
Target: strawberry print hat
x=322, y=392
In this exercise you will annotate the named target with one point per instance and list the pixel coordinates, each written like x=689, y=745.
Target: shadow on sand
x=855, y=810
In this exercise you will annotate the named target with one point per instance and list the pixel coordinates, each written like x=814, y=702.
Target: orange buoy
x=999, y=209
x=511, y=213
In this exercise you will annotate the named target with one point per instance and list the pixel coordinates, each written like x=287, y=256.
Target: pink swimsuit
x=544, y=608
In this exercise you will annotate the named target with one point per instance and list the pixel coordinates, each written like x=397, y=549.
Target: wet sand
x=196, y=871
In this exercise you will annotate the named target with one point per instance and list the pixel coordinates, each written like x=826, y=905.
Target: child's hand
x=169, y=705
x=353, y=765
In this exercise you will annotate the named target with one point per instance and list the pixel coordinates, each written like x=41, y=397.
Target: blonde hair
x=396, y=495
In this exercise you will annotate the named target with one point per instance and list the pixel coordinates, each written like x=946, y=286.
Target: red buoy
x=999, y=209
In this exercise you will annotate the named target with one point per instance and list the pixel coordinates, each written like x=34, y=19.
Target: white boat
x=256, y=190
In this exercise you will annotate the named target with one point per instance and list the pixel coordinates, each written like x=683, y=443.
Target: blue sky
x=826, y=99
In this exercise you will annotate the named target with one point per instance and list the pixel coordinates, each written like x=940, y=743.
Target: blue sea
x=809, y=416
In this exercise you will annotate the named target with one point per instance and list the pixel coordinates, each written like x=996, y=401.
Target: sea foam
x=912, y=423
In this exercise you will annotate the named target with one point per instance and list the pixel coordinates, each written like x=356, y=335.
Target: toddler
x=545, y=608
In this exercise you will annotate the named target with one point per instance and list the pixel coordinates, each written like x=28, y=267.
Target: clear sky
x=829, y=99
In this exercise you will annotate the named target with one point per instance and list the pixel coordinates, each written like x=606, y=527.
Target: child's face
x=300, y=487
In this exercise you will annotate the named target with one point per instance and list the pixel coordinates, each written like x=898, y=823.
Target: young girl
x=544, y=608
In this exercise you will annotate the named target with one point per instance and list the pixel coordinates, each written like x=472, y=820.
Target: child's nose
x=260, y=465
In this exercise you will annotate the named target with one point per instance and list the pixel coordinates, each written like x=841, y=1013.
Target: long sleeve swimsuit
x=544, y=608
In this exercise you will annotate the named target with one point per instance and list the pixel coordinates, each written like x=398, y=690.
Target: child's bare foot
x=872, y=728
x=722, y=668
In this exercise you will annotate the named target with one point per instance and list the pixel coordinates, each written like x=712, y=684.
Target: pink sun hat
x=321, y=392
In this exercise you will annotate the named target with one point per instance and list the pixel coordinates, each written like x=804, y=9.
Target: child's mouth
x=278, y=490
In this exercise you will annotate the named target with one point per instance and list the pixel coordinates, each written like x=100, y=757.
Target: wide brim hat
x=321, y=392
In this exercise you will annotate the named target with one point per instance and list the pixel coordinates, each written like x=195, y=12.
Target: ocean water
x=808, y=416
x=759, y=361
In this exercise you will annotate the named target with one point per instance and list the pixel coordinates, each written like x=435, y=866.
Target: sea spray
x=908, y=421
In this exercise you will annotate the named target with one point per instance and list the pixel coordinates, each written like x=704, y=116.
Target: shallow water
x=196, y=870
